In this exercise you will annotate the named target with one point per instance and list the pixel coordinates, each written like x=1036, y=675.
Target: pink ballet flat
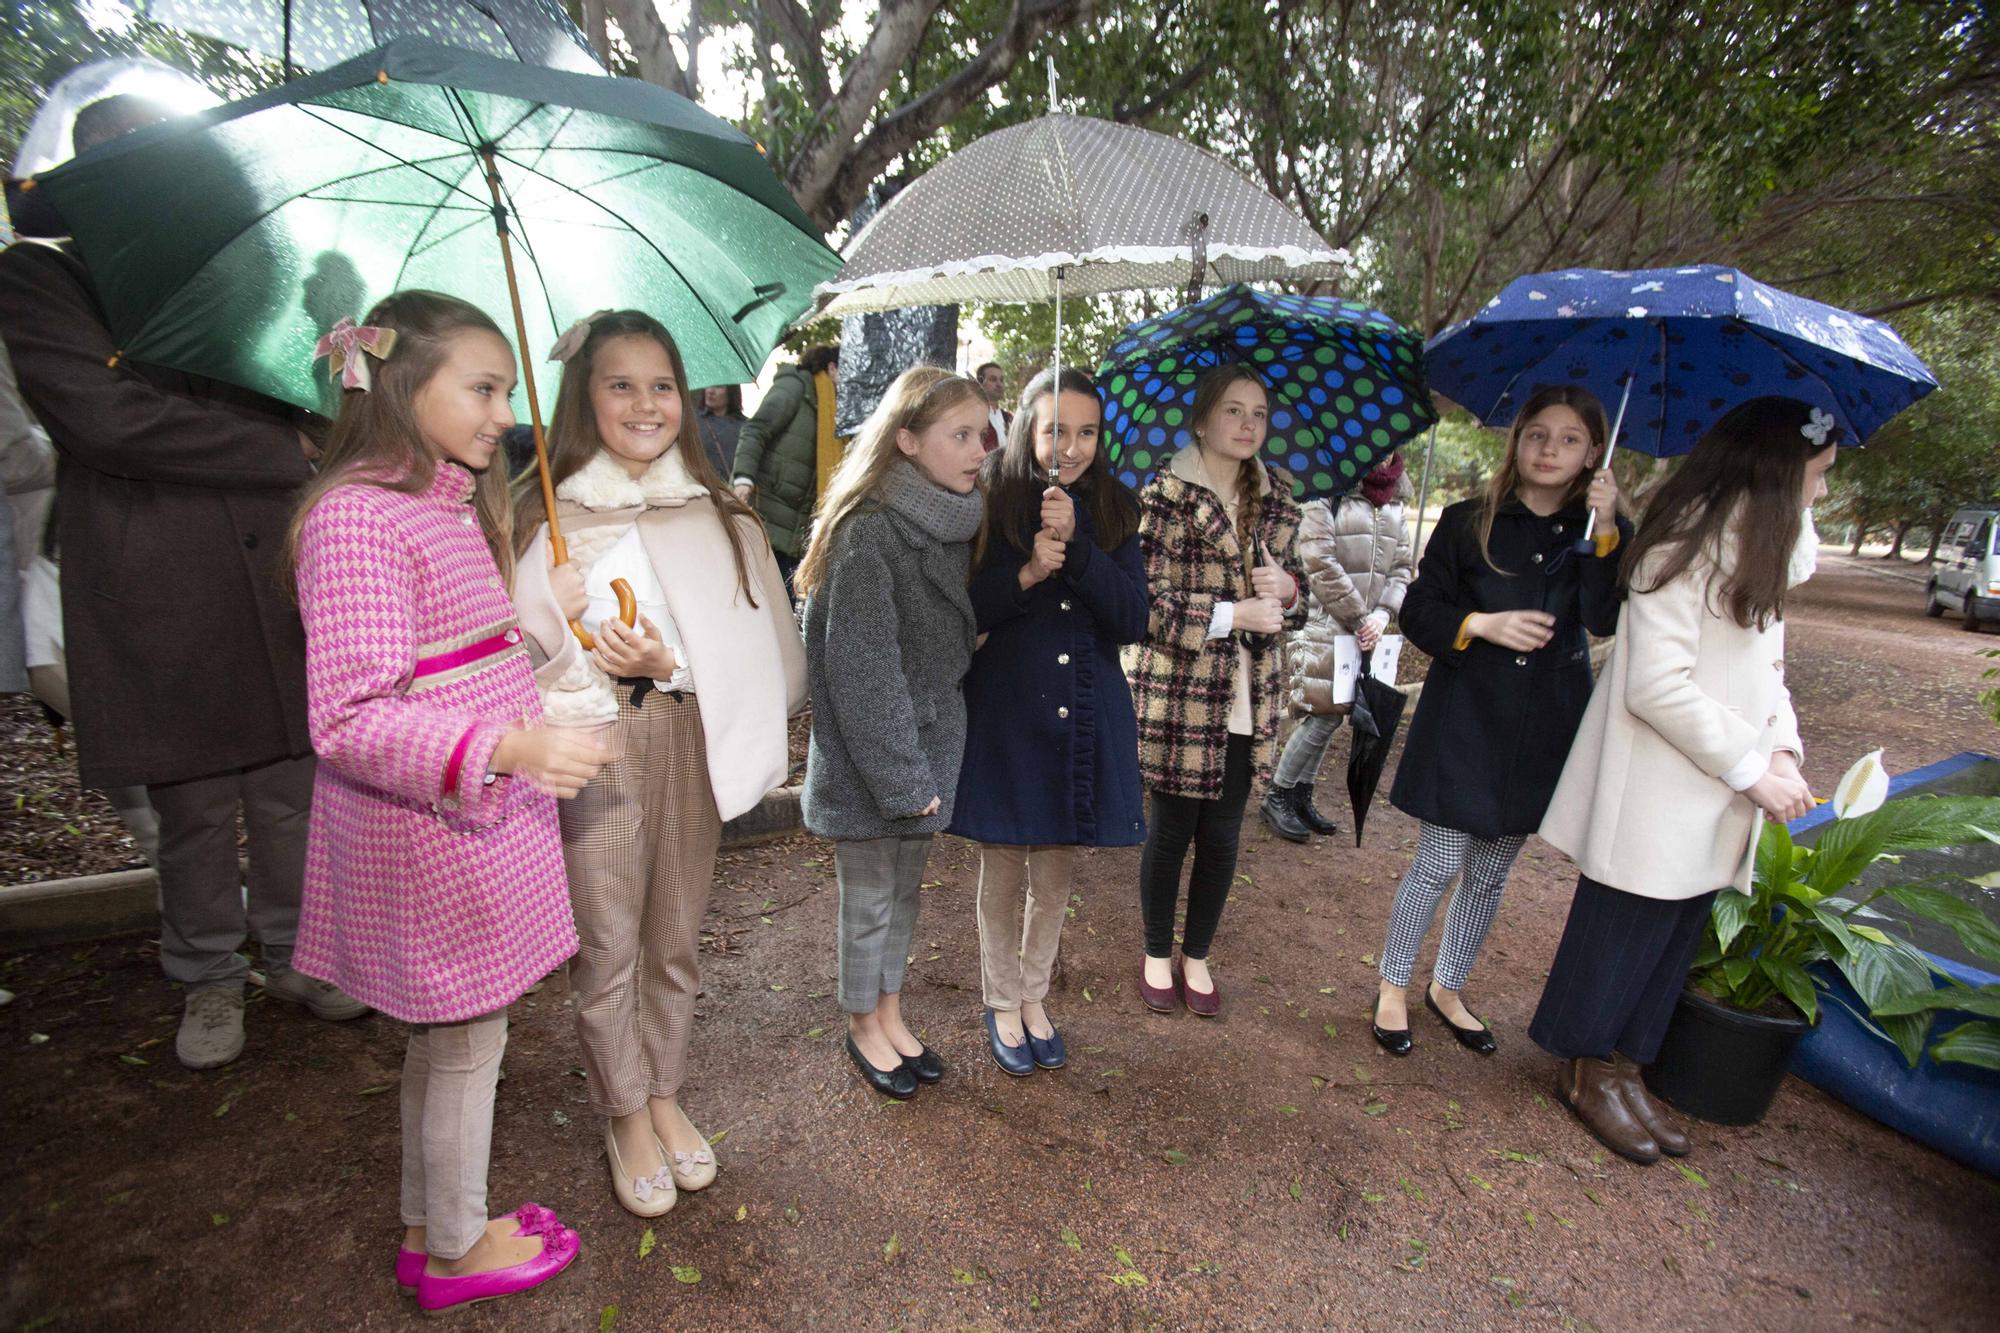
x=410, y=1267
x=559, y=1247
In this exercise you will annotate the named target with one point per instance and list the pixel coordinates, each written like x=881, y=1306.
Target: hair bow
x=343, y=346
x=1818, y=426
x=574, y=337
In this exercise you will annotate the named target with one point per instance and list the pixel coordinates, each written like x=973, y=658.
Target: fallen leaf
x=966, y=1278
x=1288, y=1109
x=1326, y=990
x=218, y=1219
x=1071, y=1239
x=776, y=987
x=221, y=1110
x=1375, y=1108
x=607, y=1319
x=375, y=1091
x=1480, y=1181
x=1298, y=1188
x=646, y=1243
x=1691, y=1174
x=717, y=1137
x=815, y=1032
x=743, y=1212
x=1562, y=1221
x=1174, y=1156
x=1331, y=1031
x=134, y=1059
x=1370, y=1196
x=687, y=1273
x=893, y=1248
x=560, y=1116
x=1414, y=1191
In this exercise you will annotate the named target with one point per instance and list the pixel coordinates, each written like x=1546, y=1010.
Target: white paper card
x=1347, y=663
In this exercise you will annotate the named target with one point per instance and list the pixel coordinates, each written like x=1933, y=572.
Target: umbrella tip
x=381, y=76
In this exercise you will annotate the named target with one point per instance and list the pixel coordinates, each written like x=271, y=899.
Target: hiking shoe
x=325, y=999
x=211, y=1032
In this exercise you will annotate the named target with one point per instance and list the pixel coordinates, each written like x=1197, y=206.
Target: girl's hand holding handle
x=1043, y=562
x=1258, y=615
x=1603, y=499
x=567, y=585
x=626, y=650
x=1059, y=513
x=1784, y=796
x=1523, y=631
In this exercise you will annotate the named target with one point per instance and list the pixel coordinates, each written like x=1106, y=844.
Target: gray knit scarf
x=945, y=515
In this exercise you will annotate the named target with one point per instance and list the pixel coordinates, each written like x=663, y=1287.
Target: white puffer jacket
x=1358, y=561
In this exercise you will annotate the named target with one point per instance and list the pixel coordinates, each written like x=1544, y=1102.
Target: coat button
x=1536, y=557
x=1520, y=661
x=1062, y=659
x=1062, y=712
x=465, y=519
x=493, y=582
x=1557, y=529
x=249, y=541
x=1065, y=604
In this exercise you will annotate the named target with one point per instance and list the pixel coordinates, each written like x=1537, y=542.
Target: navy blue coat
x=1493, y=726
x=1051, y=744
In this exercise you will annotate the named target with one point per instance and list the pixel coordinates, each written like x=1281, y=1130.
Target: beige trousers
x=1017, y=941
x=640, y=844
x=449, y=1073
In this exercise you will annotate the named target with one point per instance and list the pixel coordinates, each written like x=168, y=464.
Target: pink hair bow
x=343, y=346
x=574, y=337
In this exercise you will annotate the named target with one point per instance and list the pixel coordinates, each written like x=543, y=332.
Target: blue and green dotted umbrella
x=1347, y=383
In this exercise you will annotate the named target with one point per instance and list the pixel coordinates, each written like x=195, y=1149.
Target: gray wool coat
x=889, y=637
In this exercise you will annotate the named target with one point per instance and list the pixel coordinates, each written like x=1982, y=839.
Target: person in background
x=1357, y=560
x=786, y=453
x=720, y=417
x=185, y=654
x=1690, y=743
x=992, y=382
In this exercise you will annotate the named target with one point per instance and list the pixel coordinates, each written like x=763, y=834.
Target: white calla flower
x=1862, y=788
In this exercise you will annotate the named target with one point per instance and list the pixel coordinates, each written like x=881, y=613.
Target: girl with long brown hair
x=1218, y=529
x=889, y=634
x=1689, y=744
x=697, y=689
x=1505, y=600
x=1051, y=747
x=434, y=881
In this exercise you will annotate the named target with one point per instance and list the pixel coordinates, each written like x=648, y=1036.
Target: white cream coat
x=748, y=662
x=1686, y=695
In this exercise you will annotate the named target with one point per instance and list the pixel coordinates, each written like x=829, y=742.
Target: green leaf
x=1372, y=1196
x=1976, y=1043
x=1298, y=1188
x=1794, y=983
x=1071, y=1239
x=1414, y=1191
x=1288, y=1109
x=1737, y=970
x=1984, y=1002
x=1730, y=915
x=1124, y=1259
x=1480, y=1181
x=1375, y=1108
x=1691, y=1174
x=687, y=1274
x=893, y=1248
x=1174, y=1156
x=1972, y=926
x=1849, y=846
x=1834, y=925
x=606, y=1319
x=646, y=1243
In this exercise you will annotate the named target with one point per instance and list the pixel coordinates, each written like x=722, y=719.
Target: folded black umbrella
x=1378, y=711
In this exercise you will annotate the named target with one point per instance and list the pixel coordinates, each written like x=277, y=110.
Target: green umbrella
x=225, y=243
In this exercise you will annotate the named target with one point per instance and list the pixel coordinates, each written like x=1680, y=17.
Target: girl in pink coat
x=434, y=875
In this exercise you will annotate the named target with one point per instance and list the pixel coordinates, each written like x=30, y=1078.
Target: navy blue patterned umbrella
x=1346, y=382
x=1687, y=344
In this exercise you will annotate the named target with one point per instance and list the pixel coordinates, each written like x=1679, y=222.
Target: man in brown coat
x=186, y=658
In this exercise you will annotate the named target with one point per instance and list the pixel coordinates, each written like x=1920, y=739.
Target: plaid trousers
x=640, y=844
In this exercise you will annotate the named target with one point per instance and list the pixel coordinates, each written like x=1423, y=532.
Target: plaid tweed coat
x=1183, y=681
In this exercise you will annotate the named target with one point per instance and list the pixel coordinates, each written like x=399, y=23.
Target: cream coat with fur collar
x=747, y=661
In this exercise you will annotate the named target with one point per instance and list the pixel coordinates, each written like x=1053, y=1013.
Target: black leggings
x=1214, y=827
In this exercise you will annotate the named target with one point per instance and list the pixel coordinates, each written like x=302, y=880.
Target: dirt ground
x=1271, y=1169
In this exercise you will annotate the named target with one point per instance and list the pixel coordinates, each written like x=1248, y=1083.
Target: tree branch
x=652, y=44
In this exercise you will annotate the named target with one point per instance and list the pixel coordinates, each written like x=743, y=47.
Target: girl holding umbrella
x=1504, y=601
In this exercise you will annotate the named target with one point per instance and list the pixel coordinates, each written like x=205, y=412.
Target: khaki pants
x=1017, y=941
x=449, y=1073
x=640, y=844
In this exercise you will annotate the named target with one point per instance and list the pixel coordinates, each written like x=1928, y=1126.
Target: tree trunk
x=1937, y=540
x=640, y=21
x=1896, y=546
x=1860, y=536
x=597, y=28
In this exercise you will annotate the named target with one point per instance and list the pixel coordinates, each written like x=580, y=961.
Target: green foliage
x=1799, y=913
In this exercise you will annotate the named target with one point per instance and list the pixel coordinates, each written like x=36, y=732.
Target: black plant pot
x=1721, y=1064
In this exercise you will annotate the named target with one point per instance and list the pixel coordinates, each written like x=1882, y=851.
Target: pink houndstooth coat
x=429, y=893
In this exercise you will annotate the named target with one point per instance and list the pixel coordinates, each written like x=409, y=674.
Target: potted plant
x=1754, y=988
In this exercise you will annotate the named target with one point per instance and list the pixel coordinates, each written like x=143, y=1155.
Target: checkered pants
x=640, y=844
x=1481, y=865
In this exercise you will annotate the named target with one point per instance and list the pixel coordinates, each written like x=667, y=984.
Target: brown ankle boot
x=1647, y=1111
x=1590, y=1089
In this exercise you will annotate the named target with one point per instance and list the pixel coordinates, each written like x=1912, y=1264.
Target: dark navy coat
x=1051, y=744
x=1493, y=726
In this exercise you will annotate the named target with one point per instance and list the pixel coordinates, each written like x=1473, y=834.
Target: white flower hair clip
x=574, y=337
x=1818, y=426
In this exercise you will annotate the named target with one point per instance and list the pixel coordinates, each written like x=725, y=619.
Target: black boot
x=1280, y=815
x=1308, y=813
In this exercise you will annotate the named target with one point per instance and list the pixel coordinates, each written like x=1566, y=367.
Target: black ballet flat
x=1479, y=1040
x=924, y=1067
x=1395, y=1041
x=898, y=1082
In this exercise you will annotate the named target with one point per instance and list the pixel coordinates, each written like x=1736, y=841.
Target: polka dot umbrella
x=1346, y=382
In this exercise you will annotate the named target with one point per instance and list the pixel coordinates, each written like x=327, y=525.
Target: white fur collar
x=603, y=483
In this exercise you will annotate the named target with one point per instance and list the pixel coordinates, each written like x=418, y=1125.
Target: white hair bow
x=1818, y=426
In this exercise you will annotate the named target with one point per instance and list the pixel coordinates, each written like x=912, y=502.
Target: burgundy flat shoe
x=1201, y=1003
x=1160, y=999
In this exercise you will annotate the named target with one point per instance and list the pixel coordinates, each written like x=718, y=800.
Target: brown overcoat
x=173, y=498
x=1183, y=681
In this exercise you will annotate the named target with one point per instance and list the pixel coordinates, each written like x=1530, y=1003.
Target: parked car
x=1967, y=579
